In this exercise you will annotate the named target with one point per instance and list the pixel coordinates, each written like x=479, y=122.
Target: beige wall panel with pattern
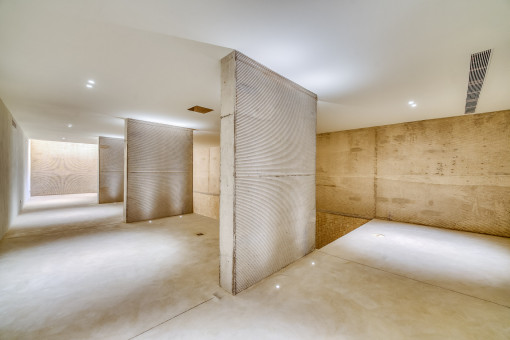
x=59, y=168
x=159, y=171
x=111, y=170
x=267, y=212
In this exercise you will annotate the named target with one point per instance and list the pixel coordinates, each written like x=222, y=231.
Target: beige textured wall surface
x=450, y=172
x=332, y=226
x=267, y=212
x=206, y=181
x=13, y=168
x=159, y=171
x=111, y=170
x=59, y=168
x=346, y=163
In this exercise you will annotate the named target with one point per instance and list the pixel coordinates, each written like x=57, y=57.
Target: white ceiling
x=153, y=59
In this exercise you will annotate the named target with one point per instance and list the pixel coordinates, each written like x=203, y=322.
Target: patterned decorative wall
x=159, y=171
x=111, y=170
x=451, y=172
x=59, y=168
x=267, y=216
x=206, y=181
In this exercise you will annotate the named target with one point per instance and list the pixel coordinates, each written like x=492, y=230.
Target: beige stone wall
x=451, y=173
x=346, y=163
x=206, y=181
x=59, y=168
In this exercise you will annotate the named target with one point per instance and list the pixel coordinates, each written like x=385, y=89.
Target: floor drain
x=200, y=234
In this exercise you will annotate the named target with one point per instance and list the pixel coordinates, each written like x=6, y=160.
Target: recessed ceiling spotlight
x=277, y=286
x=413, y=105
x=69, y=125
x=411, y=102
x=63, y=138
x=89, y=86
x=91, y=82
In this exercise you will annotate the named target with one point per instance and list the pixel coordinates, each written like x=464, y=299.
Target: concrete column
x=267, y=198
x=111, y=170
x=158, y=171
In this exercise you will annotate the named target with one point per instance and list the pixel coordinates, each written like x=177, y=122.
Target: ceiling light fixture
x=89, y=86
x=277, y=286
x=63, y=138
x=199, y=109
x=91, y=82
x=411, y=102
x=69, y=125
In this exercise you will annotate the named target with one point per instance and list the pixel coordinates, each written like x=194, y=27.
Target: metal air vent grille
x=477, y=71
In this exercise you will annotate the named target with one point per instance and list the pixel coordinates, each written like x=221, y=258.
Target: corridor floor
x=99, y=278
x=87, y=275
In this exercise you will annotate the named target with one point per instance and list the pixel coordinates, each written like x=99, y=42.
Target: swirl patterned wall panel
x=268, y=197
x=111, y=170
x=59, y=168
x=159, y=171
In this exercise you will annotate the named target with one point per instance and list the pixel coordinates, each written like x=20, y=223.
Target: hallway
x=103, y=279
x=81, y=273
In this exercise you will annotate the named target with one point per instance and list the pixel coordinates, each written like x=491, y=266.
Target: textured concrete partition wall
x=59, y=168
x=13, y=169
x=159, y=171
x=5, y=169
x=206, y=181
x=267, y=213
x=111, y=170
x=452, y=173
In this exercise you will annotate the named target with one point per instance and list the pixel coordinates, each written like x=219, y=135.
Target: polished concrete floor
x=48, y=214
x=98, y=278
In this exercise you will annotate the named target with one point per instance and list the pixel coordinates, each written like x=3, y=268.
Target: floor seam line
x=410, y=278
x=173, y=317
